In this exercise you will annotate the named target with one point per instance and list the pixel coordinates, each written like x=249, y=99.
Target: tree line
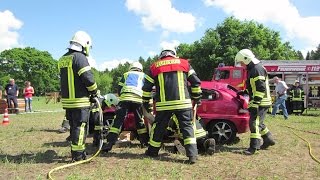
x=218, y=45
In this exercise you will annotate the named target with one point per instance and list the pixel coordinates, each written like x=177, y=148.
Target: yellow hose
x=308, y=143
x=82, y=161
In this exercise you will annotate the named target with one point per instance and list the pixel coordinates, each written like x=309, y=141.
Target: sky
x=124, y=30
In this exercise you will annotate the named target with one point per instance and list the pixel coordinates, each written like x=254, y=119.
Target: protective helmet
x=111, y=100
x=296, y=81
x=168, y=51
x=246, y=56
x=83, y=39
x=136, y=66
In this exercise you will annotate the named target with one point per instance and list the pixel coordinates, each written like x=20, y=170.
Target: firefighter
x=170, y=76
x=130, y=93
x=108, y=101
x=296, y=96
x=258, y=90
x=78, y=88
x=204, y=143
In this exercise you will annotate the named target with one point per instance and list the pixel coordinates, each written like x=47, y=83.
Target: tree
x=222, y=43
x=308, y=56
x=30, y=64
x=300, y=55
x=316, y=55
x=117, y=73
x=103, y=80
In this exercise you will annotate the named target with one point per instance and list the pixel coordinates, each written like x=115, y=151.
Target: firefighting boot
x=144, y=139
x=250, y=151
x=254, y=147
x=192, y=159
x=111, y=138
x=209, y=146
x=267, y=141
x=78, y=156
x=152, y=152
x=65, y=126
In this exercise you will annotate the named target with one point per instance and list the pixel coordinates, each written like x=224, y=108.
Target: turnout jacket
x=130, y=86
x=170, y=76
x=296, y=94
x=76, y=80
x=258, y=86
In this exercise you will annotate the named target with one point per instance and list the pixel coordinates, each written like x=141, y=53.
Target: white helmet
x=168, y=51
x=111, y=100
x=246, y=56
x=136, y=66
x=82, y=38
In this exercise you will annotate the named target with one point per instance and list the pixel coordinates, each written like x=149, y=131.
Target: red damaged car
x=223, y=113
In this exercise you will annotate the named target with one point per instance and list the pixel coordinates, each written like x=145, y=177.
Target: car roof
x=209, y=85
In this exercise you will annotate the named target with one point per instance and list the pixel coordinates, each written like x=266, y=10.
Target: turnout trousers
x=185, y=125
x=121, y=113
x=78, y=119
x=257, y=127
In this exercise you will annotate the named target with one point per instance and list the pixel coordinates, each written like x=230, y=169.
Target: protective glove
x=93, y=96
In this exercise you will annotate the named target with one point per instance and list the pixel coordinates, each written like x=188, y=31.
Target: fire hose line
x=308, y=143
x=86, y=160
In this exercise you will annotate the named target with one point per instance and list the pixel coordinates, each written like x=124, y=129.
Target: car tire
x=224, y=132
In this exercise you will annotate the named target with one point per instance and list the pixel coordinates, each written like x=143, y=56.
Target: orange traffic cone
x=5, y=117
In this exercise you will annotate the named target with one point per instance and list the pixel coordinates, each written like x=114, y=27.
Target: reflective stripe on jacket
x=258, y=86
x=296, y=94
x=76, y=80
x=170, y=76
x=130, y=86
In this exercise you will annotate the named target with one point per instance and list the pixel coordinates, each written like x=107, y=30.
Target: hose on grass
x=86, y=160
x=308, y=143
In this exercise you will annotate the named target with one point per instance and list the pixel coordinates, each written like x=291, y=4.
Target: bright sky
x=123, y=30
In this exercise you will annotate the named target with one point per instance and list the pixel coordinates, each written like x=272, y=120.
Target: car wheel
x=224, y=132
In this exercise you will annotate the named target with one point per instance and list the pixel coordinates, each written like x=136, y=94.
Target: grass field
x=31, y=147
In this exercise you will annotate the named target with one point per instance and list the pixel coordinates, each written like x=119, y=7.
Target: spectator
x=28, y=91
x=281, y=93
x=12, y=92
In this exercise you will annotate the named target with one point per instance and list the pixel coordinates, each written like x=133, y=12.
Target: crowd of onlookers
x=11, y=93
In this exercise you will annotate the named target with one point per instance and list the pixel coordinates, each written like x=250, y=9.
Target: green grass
x=31, y=147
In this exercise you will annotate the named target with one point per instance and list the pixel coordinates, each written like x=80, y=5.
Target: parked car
x=223, y=113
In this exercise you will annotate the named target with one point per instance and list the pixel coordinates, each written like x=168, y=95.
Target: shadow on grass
x=50, y=156
x=236, y=150
x=51, y=130
x=57, y=144
x=126, y=155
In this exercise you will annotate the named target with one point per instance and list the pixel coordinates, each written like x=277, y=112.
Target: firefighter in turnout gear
x=170, y=76
x=108, y=101
x=259, y=100
x=78, y=87
x=296, y=97
x=130, y=93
